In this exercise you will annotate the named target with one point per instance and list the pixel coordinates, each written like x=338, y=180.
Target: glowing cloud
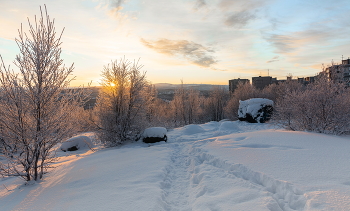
x=191, y=51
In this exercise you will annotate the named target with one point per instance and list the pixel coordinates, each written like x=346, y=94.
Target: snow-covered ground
x=214, y=166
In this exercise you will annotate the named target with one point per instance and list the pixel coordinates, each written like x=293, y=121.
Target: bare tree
x=150, y=95
x=163, y=115
x=215, y=104
x=178, y=107
x=36, y=106
x=186, y=106
x=194, y=108
x=120, y=107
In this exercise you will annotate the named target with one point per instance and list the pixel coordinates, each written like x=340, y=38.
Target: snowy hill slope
x=213, y=166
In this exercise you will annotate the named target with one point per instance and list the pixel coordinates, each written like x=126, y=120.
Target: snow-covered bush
x=323, y=106
x=154, y=134
x=255, y=110
x=77, y=143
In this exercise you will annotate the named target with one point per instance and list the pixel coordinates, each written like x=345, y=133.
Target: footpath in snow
x=214, y=166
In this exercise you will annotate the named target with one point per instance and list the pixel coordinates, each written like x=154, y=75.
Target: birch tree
x=36, y=104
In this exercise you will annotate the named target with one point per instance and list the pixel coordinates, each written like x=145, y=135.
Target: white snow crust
x=252, y=106
x=216, y=166
x=159, y=132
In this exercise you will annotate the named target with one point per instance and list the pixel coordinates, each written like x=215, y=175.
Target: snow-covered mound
x=77, y=143
x=255, y=110
x=192, y=129
x=229, y=126
x=154, y=134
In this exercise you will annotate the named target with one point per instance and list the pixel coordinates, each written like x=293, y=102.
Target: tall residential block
x=263, y=81
x=340, y=72
x=234, y=83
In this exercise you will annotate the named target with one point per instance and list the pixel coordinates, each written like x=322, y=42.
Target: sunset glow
x=197, y=41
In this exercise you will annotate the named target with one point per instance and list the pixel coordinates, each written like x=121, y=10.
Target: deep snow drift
x=214, y=166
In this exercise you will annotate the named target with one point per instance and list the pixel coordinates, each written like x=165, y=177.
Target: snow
x=192, y=129
x=229, y=126
x=159, y=132
x=252, y=106
x=80, y=142
x=214, y=166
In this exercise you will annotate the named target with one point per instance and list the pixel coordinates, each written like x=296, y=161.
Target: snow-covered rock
x=255, y=110
x=77, y=143
x=154, y=134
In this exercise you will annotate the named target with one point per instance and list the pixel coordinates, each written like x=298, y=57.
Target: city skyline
x=199, y=41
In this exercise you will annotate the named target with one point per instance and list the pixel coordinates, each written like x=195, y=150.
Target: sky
x=196, y=41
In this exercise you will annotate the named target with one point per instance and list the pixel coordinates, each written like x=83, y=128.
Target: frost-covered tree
x=150, y=95
x=194, y=108
x=244, y=91
x=185, y=108
x=178, y=106
x=322, y=106
x=214, y=105
x=285, y=101
x=163, y=115
x=37, y=108
x=120, y=107
x=274, y=92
